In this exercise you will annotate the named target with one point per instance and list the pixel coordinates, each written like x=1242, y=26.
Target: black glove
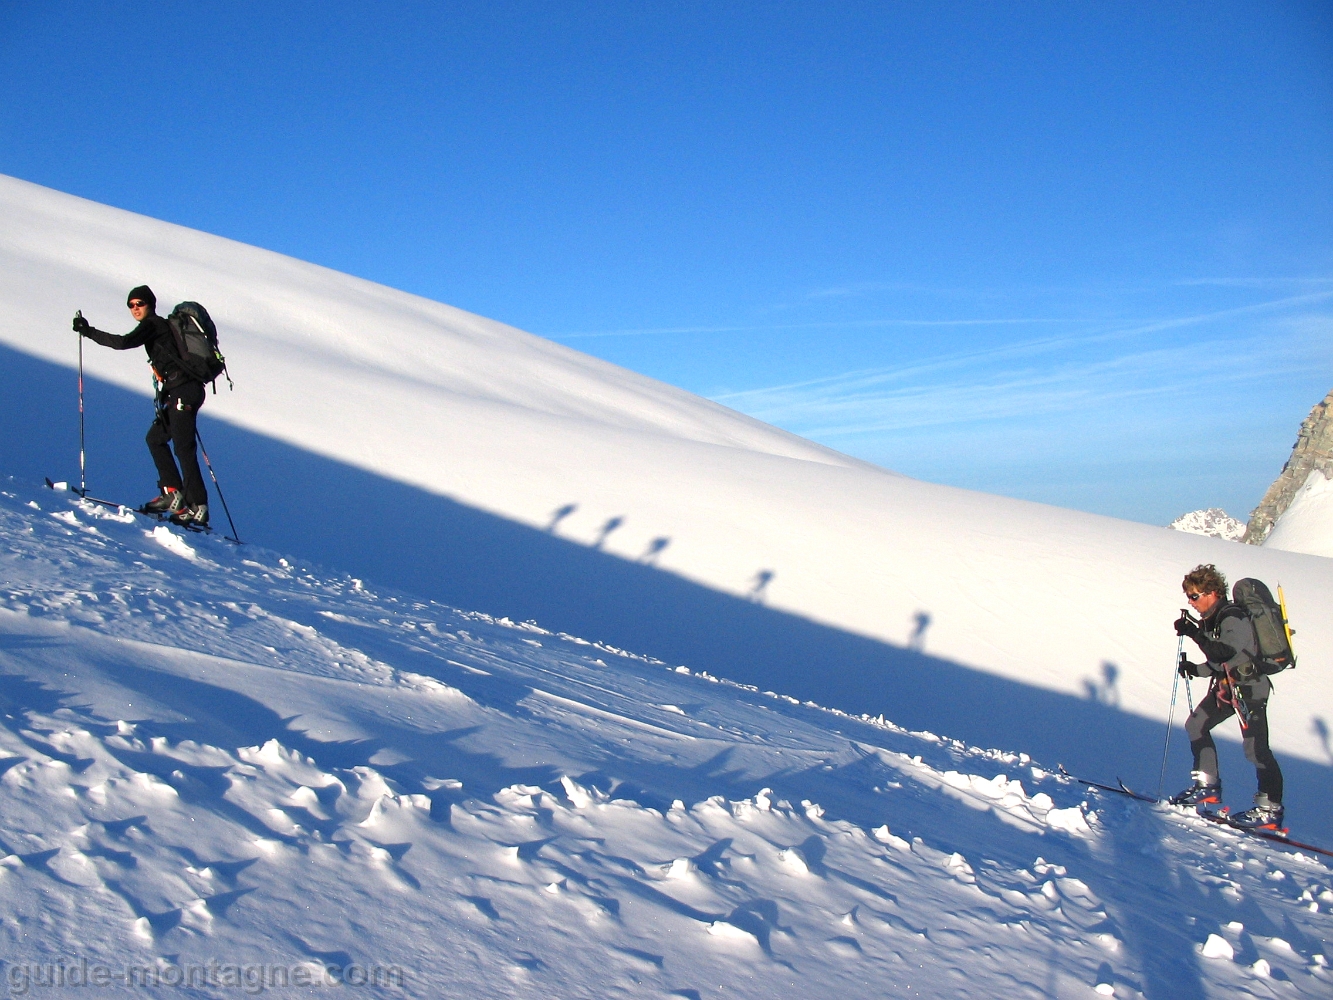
x=1188, y=669
x=1187, y=627
x=81, y=325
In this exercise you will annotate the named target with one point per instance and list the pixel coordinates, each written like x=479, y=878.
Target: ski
x=1120, y=788
x=91, y=499
x=200, y=529
x=1220, y=818
x=1277, y=836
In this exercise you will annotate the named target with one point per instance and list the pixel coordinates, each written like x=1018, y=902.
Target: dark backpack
x=197, y=342
x=1270, y=624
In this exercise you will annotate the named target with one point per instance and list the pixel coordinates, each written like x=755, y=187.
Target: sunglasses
x=1192, y=597
x=136, y=304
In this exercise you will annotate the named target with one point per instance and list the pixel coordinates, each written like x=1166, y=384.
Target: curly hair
x=1205, y=579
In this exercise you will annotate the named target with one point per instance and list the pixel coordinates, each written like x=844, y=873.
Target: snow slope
x=222, y=768
x=468, y=409
x=1307, y=524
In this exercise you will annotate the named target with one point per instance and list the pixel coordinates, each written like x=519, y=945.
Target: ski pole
x=1171, y=713
x=234, y=536
x=83, y=477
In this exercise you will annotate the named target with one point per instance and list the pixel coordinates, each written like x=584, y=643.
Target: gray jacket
x=1228, y=640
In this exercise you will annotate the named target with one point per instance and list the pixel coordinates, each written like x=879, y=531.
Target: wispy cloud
x=1044, y=345
x=1088, y=328
x=1288, y=282
x=875, y=287
x=1032, y=379
x=824, y=325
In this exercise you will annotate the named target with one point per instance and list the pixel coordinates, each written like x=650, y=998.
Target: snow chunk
x=680, y=868
x=1069, y=820
x=730, y=932
x=792, y=859
x=434, y=784
x=882, y=834
x=423, y=684
x=172, y=542
x=579, y=796
x=1218, y=947
x=958, y=864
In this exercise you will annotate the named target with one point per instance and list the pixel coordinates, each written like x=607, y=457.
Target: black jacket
x=153, y=334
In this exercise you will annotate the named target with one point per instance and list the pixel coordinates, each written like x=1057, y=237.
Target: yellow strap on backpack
x=1282, y=603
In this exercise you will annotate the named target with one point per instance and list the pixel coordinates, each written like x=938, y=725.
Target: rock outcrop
x=1313, y=450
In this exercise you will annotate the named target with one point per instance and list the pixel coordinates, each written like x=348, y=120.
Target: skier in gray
x=1230, y=647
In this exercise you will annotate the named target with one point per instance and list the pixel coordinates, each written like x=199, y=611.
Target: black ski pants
x=177, y=410
x=1212, y=711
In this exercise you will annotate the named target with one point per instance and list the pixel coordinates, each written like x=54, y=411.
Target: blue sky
x=1077, y=253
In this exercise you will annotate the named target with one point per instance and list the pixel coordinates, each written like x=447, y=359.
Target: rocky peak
x=1214, y=522
x=1313, y=450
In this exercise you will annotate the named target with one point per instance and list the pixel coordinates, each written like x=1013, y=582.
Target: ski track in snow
x=219, y=764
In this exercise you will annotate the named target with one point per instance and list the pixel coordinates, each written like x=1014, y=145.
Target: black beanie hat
x=142, y=292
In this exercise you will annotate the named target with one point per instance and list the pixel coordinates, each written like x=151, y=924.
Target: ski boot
x=192, y=516
x=1205, y=792
x=169, y=503
x=1266, y=815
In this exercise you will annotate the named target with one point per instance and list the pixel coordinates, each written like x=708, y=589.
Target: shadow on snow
x=437, y=549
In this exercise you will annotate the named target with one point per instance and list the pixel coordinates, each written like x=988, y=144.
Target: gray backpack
x=1269, y=619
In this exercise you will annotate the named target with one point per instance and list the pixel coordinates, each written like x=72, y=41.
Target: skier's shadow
x=1320, y=728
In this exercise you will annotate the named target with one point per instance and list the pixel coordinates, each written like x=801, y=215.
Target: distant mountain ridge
x=1213, y=522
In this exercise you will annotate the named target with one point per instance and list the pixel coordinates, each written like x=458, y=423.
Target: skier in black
x=1231, y=651
x=183, y=496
